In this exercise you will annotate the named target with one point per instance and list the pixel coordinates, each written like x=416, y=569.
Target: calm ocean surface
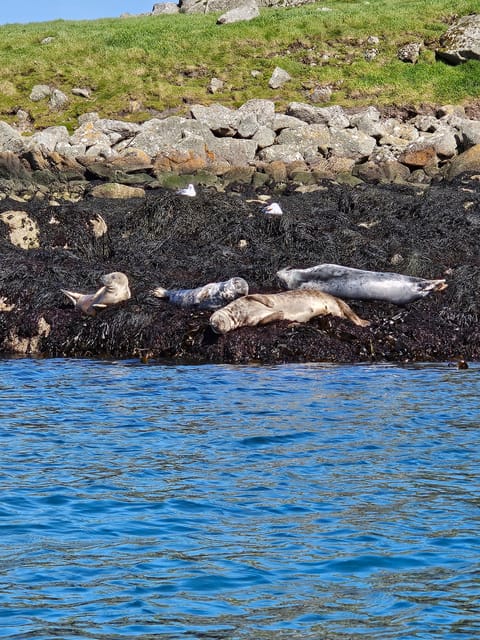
x=298, y=501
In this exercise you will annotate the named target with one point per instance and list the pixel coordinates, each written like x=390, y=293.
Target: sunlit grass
x=163, y=62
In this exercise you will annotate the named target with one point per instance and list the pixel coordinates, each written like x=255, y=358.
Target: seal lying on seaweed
x=115, y=290
x=358, y=284
x=211, y=296
x=298, y=306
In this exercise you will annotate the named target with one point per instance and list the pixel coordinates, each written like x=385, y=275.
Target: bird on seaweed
x=273, y=209
x=187, y=191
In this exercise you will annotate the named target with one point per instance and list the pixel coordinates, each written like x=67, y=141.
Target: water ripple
x=302, y=501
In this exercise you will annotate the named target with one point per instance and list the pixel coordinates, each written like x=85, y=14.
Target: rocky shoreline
x=252, y=145
x=163, y=239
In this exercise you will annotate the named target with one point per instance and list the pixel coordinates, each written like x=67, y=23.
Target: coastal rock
x=11, y=140
x=333, y=116
x=116, y=191
x=461, y=42
x=219, y=119
x=234, y=151
x=468, y=161
x=351, y=143
x=49, y=138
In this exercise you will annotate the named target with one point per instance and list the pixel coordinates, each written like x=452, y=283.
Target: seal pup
x=211, y=296
x=115, y=290
x=187, y=191
x=297, y=306
x=357, y=284
x=272, y=209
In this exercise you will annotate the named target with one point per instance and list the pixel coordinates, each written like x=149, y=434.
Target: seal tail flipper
x=437, y=285
x=160, y=292
x=71, y=295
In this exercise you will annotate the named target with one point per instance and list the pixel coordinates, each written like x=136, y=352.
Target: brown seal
x=298, y=306
x=115, y=290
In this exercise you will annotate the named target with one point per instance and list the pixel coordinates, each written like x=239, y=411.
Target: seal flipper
x=272, y=317
x=160, y=292
x=259, y=297
x=72, y=296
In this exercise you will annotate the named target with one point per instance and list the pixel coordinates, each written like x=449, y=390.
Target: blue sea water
x=298, y=501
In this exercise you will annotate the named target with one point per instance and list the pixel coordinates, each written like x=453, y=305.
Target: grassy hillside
x=141, y=65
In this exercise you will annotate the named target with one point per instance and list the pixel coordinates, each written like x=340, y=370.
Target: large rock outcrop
x=461, y=42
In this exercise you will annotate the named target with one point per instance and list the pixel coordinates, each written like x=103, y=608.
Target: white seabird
x=188, y=191
x=273, y=209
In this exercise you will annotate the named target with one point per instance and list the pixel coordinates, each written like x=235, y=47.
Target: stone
x=409, y=52
x=461, y=41
x=40, y=92
x=333, y=116
x=370, y=54
x=234, y=151
x=264, y=137
x=83, y=92
x=281, y=152
x=277, y=171
x=246, y=11
x=11, y=140
x=215, y=85
x=468, y=161
x=219, y=119
x=351, y=143
x=418, y=157
x=368, y=121
x=278, y=78
x=23, y=231
x=89, y=134
x=161, y=8
x=308, y=139
x=469, y=131
x=262, y=110
x=321, y=94
x=116, y=191
x=49, y=138
x=133, y=160
x=282, y=121
x=58, y=100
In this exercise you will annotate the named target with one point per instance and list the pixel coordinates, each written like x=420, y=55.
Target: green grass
x=139, y=66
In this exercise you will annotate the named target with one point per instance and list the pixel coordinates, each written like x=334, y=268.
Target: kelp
x=177, y=242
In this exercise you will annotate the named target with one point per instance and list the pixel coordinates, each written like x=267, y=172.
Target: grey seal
x=357, y=284
x=210, y=296
x=297, y=306
x=115, y=290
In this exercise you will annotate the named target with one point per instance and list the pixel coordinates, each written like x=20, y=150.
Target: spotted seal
x=210, y=296
x=115, y=290
x=357, y=284
x=299, y=306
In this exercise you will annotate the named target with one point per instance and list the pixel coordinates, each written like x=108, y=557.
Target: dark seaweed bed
x=173, y=241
